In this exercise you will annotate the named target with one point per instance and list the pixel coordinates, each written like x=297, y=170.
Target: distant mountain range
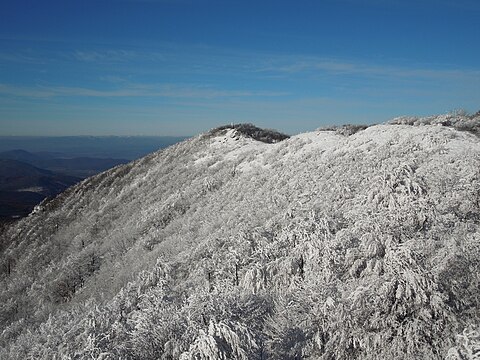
x=116, y=147
x=22, y=186
x=33, y=168
x=28, y=178
x=19, y=176
x=81, y=167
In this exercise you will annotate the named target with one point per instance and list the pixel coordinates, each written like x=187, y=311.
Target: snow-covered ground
x=320, y=246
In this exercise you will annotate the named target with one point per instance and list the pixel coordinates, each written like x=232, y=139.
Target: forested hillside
x=245, y=244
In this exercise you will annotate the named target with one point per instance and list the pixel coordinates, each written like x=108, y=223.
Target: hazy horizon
x=92, y=136
x=118, y=147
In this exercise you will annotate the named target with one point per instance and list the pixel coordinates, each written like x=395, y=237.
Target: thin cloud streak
x=21, y=58
x=29, y=92
x=210, y=60
x=166, y=91
x=357, y=68
x=104, y=55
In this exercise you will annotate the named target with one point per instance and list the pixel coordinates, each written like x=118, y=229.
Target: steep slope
x=318, y=246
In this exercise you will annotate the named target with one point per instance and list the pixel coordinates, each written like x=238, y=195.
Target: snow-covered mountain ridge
x=319, y=246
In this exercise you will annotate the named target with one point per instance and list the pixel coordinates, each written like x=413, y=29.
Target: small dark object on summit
x=345, y=130
x=264, y=135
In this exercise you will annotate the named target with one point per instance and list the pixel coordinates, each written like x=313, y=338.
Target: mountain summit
x=248, y=244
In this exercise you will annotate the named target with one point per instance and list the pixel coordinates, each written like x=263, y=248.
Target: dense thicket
x=321, y=246
x=459, y=120
x=254, y=132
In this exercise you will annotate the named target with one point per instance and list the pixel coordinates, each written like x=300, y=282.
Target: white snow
x=322, y=233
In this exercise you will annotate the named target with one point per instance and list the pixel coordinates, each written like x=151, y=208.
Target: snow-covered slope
x=318, y=246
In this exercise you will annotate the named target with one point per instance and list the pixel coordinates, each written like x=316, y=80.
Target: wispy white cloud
x=338, y=67
x=29, y=92
x=114, y=79
x=202, y=76
x=104, y=55
x=204, y=60
x=134, y=90
x=21, y=58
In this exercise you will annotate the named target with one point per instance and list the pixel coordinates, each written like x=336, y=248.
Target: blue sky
x=179, y=67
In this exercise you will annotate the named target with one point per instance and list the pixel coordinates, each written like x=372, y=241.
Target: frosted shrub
x=458, y=119
x=468, y=345
x=222, y=341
